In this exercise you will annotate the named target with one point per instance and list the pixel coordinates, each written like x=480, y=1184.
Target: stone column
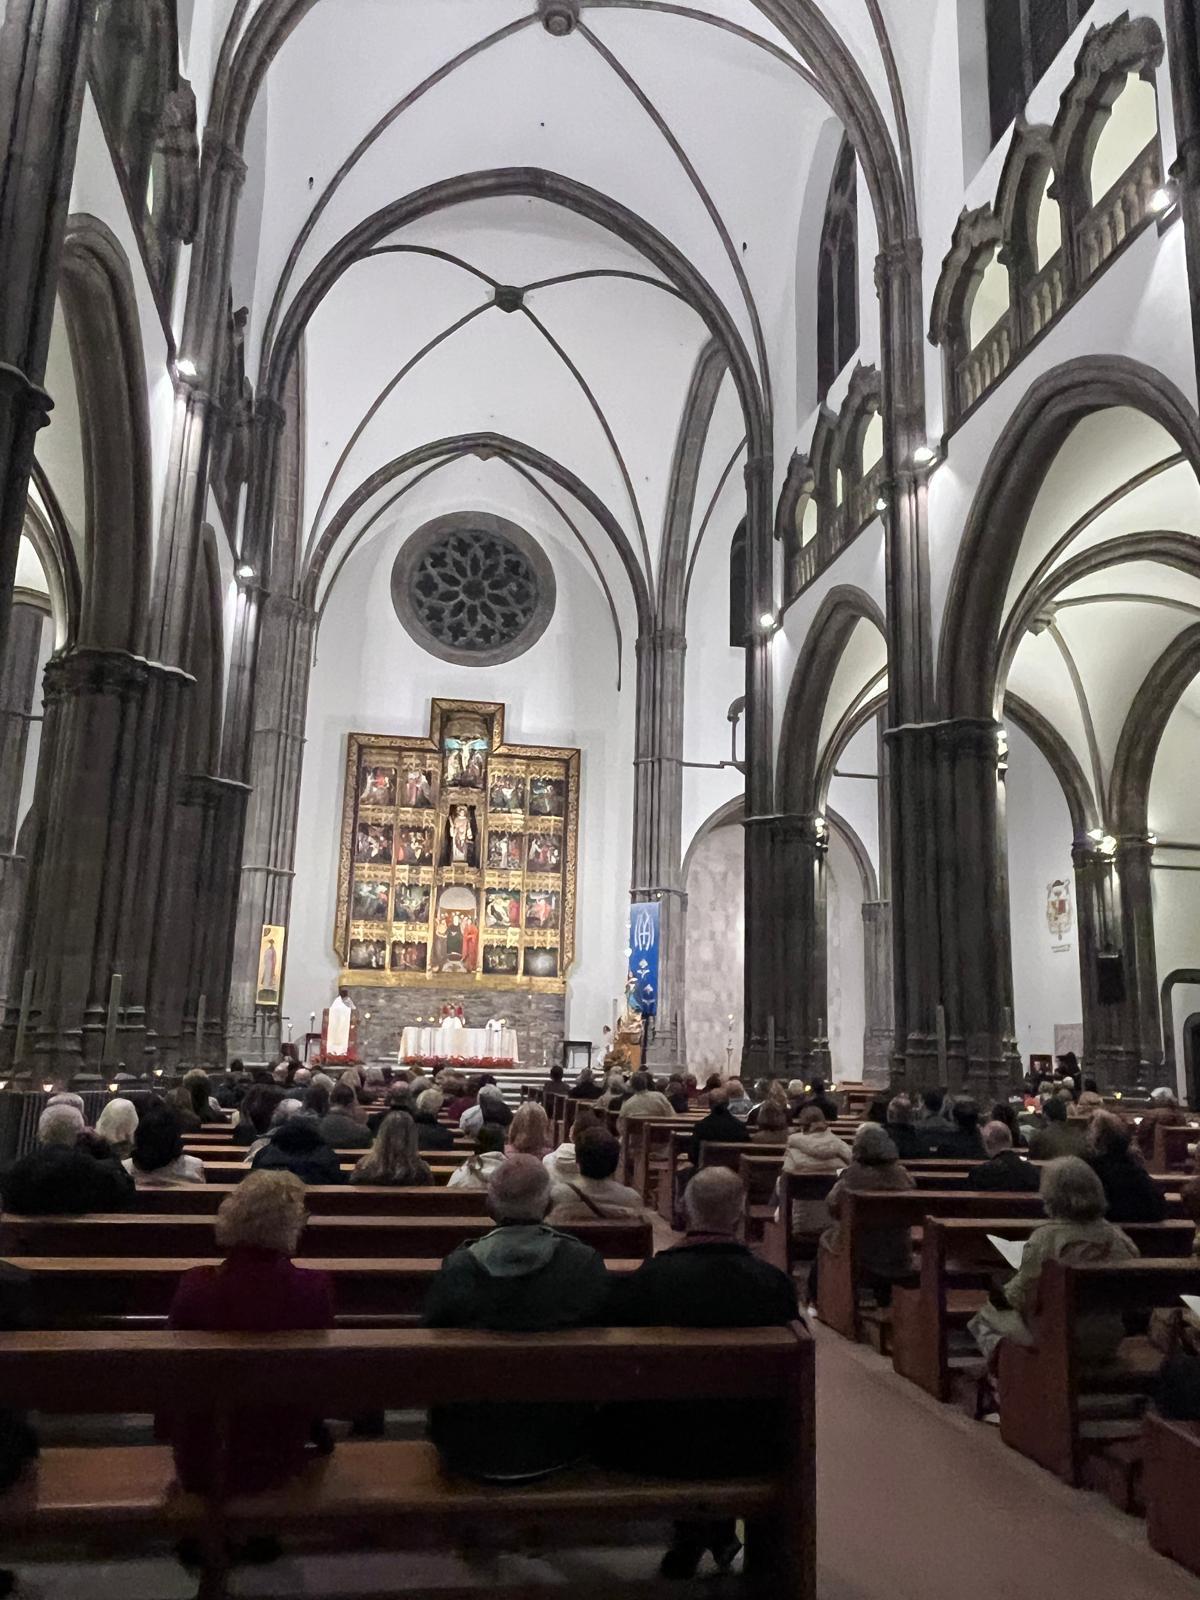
x=758, y=1055
x=43, y=50
x=1183, y=56
x=800, y=844
x=1099, y=934
x=1141, y=1019
x=92, y=901
x=222, y=806
x=18, y=687
x=268, y=855
x=954, y=826
x=658, y=825
x=878, y=1033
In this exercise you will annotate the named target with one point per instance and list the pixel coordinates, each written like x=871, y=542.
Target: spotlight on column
x=185, y=367
x=1163, y=198
x=924, y=455
x=768, y=622
x=244, y=571
x=881, y=504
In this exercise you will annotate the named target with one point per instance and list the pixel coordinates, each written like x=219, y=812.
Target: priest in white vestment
x=337, y=1028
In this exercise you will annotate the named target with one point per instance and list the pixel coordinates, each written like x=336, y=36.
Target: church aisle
x=917, y=1502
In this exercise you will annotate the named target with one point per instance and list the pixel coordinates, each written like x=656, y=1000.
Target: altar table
x=470, y=1044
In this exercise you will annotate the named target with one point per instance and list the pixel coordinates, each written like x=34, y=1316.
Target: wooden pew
x=1043, y=1390
x=957, y=1265
x=1171, y=1485
x=646, y=1143
x=106, y=1291
x=117, y=1234
x=1171, y=1148
x=837, y=1292
x=343, y=1200
x=119, y=1498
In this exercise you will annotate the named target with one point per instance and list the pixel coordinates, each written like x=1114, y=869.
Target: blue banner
x=643, y=955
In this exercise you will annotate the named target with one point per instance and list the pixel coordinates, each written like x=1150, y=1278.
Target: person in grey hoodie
x=522, y=1277
x=815, y=1148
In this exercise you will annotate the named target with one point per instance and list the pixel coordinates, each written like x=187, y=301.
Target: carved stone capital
x=22, y=394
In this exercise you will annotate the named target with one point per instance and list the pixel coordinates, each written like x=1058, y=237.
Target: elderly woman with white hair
x=116, y=1125
x=885, y=1254
x=66, y=1175
x=1076, y=1229
x=490, y=1106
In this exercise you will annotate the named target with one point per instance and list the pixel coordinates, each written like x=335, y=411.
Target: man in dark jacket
x=68, y=1174
x=720, y=1125
x=340, y=1128
x=297, y=1145
x=711, y=1280
x=1061, y=1135
x=586, y=1087
x=818, y=1096
x=431, y=1134
x=961, y=1142
x=932, y=1113
x=523, y=1277
x=1004, y=1172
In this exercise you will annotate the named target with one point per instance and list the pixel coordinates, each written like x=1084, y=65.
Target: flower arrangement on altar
x=460, y=1063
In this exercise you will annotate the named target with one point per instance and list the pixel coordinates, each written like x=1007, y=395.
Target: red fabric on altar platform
x=468, y=1063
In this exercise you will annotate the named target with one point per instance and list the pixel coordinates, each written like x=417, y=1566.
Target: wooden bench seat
x=128, y=1234
x=110, y=1291
x=122, y=1498
x=361, y=1200
x=1171, y=1486
x=957, y=1264
x=1047, y=1392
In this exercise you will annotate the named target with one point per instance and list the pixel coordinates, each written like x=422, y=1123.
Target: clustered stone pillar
x=879, y=1029
x=43, y=48
x=285, y=654
x=1122, y=1036
x=800, y=846
x=658, y=823
x=91, y=907
x=956, y=962
x=18, y=688
x=759, y=1056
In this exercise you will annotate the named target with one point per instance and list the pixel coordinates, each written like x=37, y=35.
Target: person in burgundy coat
x=256, y=1289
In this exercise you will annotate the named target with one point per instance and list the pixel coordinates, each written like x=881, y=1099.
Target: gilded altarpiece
x=458, y=856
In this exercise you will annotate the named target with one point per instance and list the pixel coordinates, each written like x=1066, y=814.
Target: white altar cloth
x=459, y=1043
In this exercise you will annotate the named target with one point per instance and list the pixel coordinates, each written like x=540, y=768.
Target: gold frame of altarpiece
x=405, y=798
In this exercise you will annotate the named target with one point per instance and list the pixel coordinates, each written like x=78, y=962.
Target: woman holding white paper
x=1073, y=1198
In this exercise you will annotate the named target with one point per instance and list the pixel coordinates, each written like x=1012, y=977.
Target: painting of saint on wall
x=460, y=842
x=373, y=843
x=507, y=793
x=541, y=909
x=501, y=960
x=546, y=797
x=463, y=762
x=541, y=963
x=456, y=931
x=270, y=964
x=505, y=851
x=370, y=900
x=414, y=847
x=368, y=955
x=378, y=787
x=412, y=902
x=416, y=788
x=408, y=956
x=545, y=852
x=503, y=908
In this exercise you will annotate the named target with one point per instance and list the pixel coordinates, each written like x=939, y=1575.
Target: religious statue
x=461, y=844
x=627, y=1046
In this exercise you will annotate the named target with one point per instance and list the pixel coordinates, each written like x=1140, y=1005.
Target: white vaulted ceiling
x=700, y=122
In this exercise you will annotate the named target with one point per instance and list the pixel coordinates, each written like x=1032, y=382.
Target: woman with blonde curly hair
x=256, y=1289
x=529, y=1131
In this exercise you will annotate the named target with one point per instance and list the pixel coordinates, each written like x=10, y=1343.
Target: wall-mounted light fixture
x=1163, y=198
x=244, y=571
x=924, y=456
x=185, y=367
x=768, y=622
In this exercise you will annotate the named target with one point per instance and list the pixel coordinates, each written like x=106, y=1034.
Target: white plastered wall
x=370, y=676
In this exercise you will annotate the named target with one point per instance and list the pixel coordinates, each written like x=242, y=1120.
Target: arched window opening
x=837, y=276
x=1048, y=232
x=990, y=301
x=808, y=519
x=1132, y=125
x=1023, y=38
x=872, y=445
x=739, y=589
